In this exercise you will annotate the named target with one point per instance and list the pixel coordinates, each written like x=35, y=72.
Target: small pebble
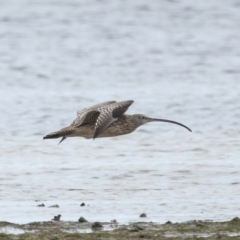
x=57, y=218
x=236, y=219
x=41, y=205
x=143, y=215
x=144, y=236
x=82, y=220
x=56, y=206
x=114, y=221
x=82, y=204
x=97, y=225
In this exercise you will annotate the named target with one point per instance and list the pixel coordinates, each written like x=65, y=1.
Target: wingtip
x=128, y=101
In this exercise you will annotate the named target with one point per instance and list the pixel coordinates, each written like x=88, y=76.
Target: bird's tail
x=64, y=133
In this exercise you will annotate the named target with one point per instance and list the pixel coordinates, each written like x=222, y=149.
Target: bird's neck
x=133, y=121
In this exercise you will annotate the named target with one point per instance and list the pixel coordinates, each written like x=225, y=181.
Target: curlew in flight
x=105, y=120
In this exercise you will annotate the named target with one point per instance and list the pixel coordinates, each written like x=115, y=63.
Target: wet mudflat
x=54, y=230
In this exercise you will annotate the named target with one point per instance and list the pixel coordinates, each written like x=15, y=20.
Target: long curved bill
x=169, y=121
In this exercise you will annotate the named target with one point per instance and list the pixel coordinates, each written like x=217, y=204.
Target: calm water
x=177, y=60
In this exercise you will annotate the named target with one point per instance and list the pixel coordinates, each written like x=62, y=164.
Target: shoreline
x=112, y=230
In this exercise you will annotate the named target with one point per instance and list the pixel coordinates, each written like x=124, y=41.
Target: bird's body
x=105, y=120
x=120, y=127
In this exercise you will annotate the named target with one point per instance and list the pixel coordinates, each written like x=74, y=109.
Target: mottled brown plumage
x=105, y=120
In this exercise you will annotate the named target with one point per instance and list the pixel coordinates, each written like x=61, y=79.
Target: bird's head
x=141, y=119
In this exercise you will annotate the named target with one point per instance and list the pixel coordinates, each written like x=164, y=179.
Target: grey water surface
x=178, y=60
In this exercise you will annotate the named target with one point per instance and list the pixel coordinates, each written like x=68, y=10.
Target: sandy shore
x=56, y=230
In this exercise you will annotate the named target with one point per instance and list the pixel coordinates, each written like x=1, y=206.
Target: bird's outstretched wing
x=108, y=114
x=94, y=107
x=89, y=115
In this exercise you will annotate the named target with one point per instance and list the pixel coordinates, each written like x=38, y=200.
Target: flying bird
x=106, y=119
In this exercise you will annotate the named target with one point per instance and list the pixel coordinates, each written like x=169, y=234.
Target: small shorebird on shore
x=105, y=120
